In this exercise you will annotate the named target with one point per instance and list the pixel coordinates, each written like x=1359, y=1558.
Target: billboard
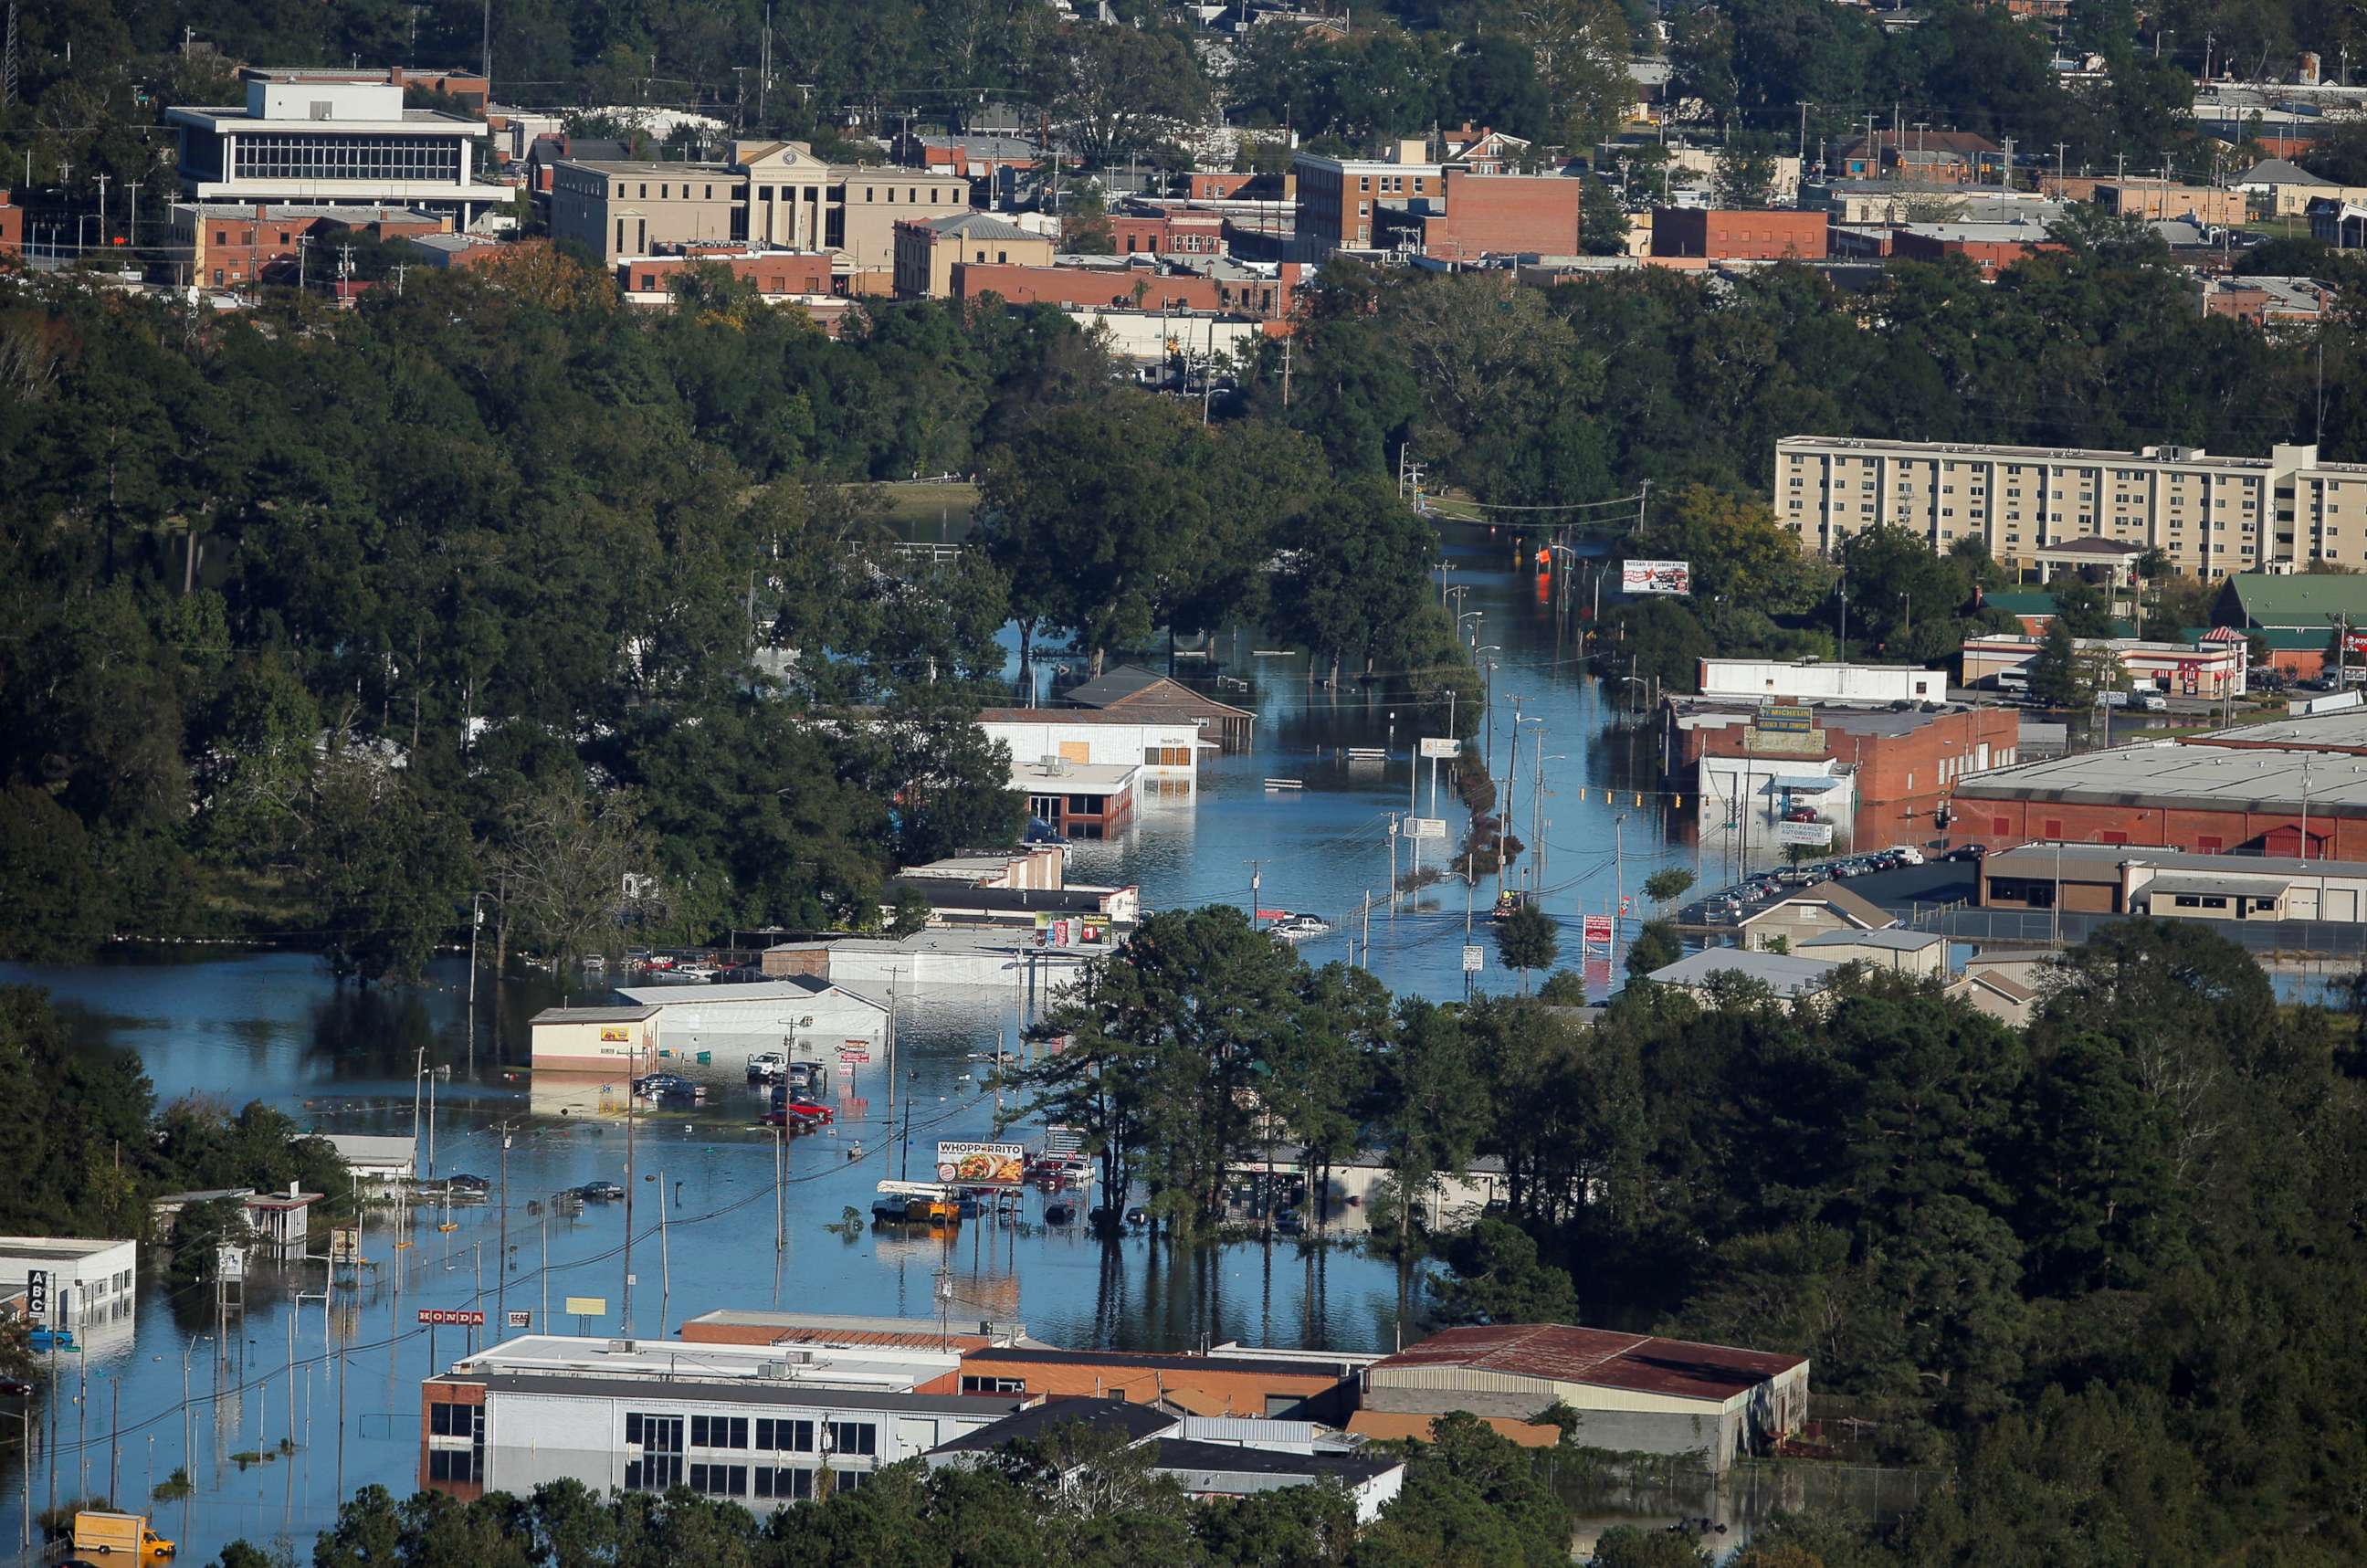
x=1817, y=834
x=1656, y=577
x=1786, y=717
x=1451, y=749
x=1069, y=930
x=982, y=1164
x=444, y=1317
x=1425, y=827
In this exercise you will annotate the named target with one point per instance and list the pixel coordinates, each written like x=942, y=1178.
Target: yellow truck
x=100, y=1532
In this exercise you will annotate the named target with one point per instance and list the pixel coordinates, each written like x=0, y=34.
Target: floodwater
x=273, y=1025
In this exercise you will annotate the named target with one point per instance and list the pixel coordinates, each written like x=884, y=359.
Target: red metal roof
x=1605, y=1358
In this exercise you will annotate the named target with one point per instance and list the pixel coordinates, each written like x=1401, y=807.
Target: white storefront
x=90, y=1280
x=805, y=1018
x=1162, y=750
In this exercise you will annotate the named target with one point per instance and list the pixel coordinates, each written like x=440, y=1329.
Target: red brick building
x=1499, y=214
x=1979, y=243
x=1717, y=233
x=1167, y=233
x=2208, y=799
x=12, y=226
x=1127, y=288
x=240, y=245
x=778, y=275
x=1904, y=764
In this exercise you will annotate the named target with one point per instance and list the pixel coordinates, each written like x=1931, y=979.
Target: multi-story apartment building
x=767, y=193
x=1338, y=196
x=2212, y=515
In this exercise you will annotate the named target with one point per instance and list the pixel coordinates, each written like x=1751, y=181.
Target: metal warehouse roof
x=591, y=1016
x=1602, y=1358
x=1786, y=974
x=2300, y=599
x=2203, y=778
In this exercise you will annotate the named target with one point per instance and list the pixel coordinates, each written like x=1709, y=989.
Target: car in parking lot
x=665, y=1085
x=600, y=1191
x=1973, y=852
x=464, y=1182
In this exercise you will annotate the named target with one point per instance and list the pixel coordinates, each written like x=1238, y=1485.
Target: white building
x=91, y=1282
x=804, y=1015
x=763, y=1425
x=341, y=136
x=374, y=1157
x=1814, y=681
x=1162, y=749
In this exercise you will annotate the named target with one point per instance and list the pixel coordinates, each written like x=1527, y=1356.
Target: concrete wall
x=621, y=1047
x=1787, y=681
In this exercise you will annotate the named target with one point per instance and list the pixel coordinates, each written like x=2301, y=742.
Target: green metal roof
x=2286, y=638
x=2302, y=599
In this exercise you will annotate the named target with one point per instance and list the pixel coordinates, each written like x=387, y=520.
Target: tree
x=1739, y=552
x=2059, y=675
x=389, y=873
x=567, y=867
x=1497, y=1278
x=1746, y=170
x=1425, y=1111
x=1086, y=513
x=1655, y=946
x=1527, y=939
x=1171, y=1033
x=1668, y=884
x=1354, y=584
x=1626, y=1545
x=1602, y=223
x=1120, y=89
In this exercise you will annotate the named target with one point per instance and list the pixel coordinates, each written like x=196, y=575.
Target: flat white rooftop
x=886, y=1369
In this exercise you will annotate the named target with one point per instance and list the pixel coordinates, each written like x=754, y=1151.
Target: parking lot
x=1890, y=878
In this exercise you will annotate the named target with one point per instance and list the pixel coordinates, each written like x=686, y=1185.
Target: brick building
x=1737, y=234
x=1901, y=765
x=1339, y=198
x=2260, y=799
x=240, y=244
x=2153, y=201
x=1167, y=233
x=1501, y=214
x=1268, y=299
x=12, y=226
x=1926, y=156
x=1229, y=1380
x=927, y=248
x=1987, y=246
x=778, y=275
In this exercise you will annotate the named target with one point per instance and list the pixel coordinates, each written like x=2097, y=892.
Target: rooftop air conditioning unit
x=620, y=1348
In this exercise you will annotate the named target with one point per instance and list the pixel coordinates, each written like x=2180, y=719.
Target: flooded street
x=272, y=1026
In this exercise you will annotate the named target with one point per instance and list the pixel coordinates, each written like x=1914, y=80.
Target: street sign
x=37, y=1294
x=1475, y=959
x=450, y=1317
x=1423, y=827
x=521, y=1320
x=587, y=1306
x=1447, y=747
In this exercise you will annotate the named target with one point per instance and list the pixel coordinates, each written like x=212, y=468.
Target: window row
x=268, y=156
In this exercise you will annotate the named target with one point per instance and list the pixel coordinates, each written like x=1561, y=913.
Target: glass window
x=853, y=1437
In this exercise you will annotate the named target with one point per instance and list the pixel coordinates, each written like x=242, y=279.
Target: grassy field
x=927, y=503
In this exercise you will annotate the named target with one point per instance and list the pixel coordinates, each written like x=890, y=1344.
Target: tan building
x=2211, y=514
x=621, y=1040
x=2153, y=201
x=768, y=193
x=927, y=248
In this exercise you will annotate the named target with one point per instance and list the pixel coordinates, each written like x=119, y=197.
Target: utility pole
x=1255, y=882
x=100, y=181
x=625, y=1304
x=502, y=1257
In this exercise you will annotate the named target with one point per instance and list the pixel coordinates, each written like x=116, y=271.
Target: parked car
x=600, y=1191
x=2152, y=702
x=15, y=1388
x=767, y=1065
x=1289, y=1222
x=1801, y=813
x=1973, y=852
x=794, y=1110
x=665, y=1086
x=464, y=1182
